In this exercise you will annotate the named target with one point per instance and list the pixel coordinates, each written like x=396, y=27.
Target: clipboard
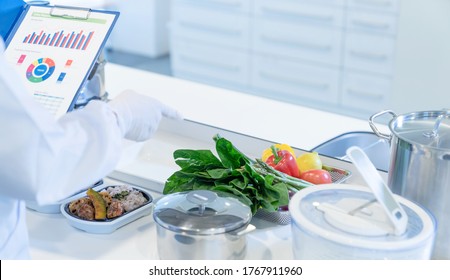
x=54, y=49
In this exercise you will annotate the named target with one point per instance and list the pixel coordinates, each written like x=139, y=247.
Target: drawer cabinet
x=369, y=53
x=320, y=53
x=384, y=6
x=225, y=6
x=372, y=23
x=301, y=42
x=210, y=64
x=361, y=91
x=301, y=81
x=328, y=13
x=210, y=26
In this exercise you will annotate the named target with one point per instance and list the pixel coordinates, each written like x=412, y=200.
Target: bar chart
x=61, y=39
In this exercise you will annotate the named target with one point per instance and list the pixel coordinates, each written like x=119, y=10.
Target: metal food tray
x=284, y=217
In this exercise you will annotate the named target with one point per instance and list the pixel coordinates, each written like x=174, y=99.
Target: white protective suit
x=46, y=160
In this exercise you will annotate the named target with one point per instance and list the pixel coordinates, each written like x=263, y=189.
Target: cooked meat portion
x=86, y=211
x=74, y=205
x=115, y=209
x=106, y=197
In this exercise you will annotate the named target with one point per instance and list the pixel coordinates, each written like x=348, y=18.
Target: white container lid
x=351, y=216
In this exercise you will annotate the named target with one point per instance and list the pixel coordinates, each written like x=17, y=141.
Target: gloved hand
x=138, y=115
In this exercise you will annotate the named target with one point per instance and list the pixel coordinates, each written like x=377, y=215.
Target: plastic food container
x=347, y=222
x=201, y=224
x=107, y=225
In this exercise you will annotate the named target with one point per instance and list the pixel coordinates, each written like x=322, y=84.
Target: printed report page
x=54, y=50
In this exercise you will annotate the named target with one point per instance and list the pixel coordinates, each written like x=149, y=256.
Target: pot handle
x=374, y=127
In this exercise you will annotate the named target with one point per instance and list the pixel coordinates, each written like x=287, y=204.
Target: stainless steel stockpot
x=201, y=224
x=420, y=165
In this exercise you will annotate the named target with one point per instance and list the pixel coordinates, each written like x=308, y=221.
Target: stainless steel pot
x=420, y=165
x=201, y=225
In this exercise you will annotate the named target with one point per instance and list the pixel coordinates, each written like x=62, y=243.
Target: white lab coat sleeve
x=46, y=160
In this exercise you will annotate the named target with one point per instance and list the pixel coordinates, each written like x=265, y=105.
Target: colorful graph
x=60, y=39
x=40, y=70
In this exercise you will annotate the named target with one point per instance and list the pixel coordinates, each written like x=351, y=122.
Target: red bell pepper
x=283, y=161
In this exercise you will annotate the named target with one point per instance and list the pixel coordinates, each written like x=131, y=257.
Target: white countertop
x=52, y=237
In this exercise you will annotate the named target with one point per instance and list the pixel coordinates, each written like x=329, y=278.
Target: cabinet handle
x=296, y=44
x=209, y=64
x=383, y=3
x=210, y=29
x=296, y=15
x=307, y=84
x=365, y=94
x=371, y=24
x=368, y=55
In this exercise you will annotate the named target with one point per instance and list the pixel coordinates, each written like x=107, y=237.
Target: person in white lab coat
x=46, y=160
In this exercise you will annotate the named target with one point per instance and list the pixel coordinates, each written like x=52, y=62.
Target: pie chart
x=40, y=70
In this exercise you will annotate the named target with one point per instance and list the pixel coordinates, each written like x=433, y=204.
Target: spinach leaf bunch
x=251, y=181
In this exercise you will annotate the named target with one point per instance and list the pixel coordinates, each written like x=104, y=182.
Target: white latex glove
x=138, y=115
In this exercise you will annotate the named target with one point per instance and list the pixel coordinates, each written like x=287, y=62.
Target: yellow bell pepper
x=282, y=147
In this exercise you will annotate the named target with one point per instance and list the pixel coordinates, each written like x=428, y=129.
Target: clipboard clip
x=70, y=12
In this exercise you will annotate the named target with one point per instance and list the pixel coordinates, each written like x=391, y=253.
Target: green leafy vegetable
x=252, y=181
x=121, y=195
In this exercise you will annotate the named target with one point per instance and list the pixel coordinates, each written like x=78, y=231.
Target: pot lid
x=429, y=128
x=201, y=212
x=351, y=216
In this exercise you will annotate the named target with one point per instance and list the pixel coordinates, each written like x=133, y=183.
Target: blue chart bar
x=63, y=41
x=30, y=38
x=81, y=42
x=60, y=39
x=76, y=40
x=42, y=39
x=88, y=40
x=54, y=38
x=70, y=40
